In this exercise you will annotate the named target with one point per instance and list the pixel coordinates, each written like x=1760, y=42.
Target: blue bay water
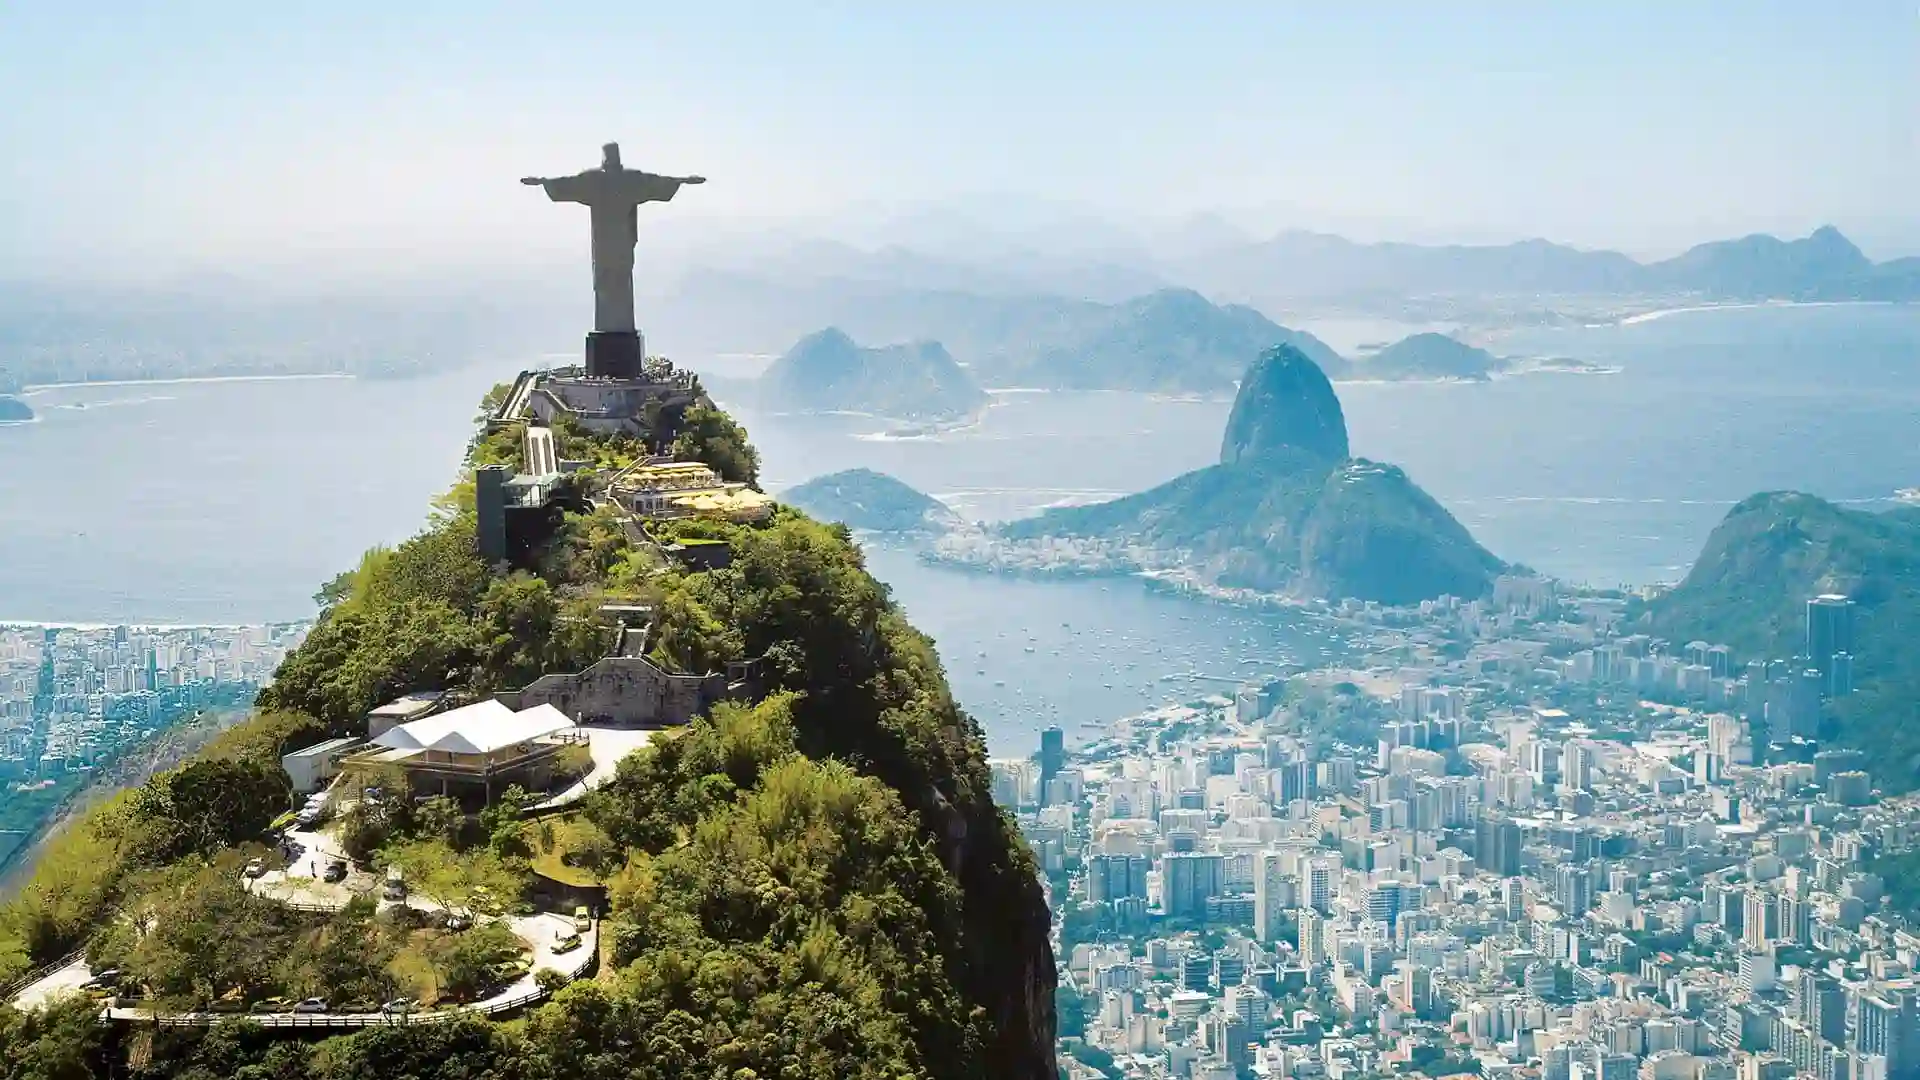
x=232, y=502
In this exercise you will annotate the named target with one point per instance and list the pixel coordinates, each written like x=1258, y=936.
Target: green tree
x=439, y=817
x=709, y=435
x=468, y=964
x=61, y=1041
x=345, y=959
x=449, y=878
x=523, y=629
x=206, y=805
x=200, y=936
x=446, y=1051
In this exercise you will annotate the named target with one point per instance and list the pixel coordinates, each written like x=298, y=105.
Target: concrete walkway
x=608, y=746
x=300, y=884
x=58, y=982
x=540, y=931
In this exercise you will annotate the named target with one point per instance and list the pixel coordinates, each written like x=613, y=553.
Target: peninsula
x=1286, y=510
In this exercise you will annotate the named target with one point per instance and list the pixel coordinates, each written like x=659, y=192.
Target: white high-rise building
x=1274, y=894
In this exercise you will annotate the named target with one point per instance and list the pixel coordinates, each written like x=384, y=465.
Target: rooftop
x=480, y=728
x=411, y=705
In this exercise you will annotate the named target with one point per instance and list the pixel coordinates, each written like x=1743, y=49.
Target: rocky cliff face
x=1285, y=402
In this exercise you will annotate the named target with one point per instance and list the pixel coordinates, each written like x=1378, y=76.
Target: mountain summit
x=1285, y=401
x=1286, y=510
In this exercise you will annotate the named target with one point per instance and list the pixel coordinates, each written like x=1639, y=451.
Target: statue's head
x=610, y=156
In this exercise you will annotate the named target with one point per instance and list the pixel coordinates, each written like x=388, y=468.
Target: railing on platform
x=20, y=982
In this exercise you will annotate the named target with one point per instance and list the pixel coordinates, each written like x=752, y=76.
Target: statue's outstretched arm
x=563, y=188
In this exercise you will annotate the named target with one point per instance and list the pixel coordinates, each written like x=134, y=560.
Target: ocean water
x=232, y=502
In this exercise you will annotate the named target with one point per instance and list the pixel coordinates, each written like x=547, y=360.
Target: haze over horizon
x=155, y=141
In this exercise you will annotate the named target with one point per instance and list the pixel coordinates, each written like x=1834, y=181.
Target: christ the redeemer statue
x=613, y=193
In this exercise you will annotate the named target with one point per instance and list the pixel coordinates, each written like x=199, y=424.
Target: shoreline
x=1650, y=316
x=184, y=380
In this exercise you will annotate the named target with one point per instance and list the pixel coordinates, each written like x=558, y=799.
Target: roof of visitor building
x=476, y=729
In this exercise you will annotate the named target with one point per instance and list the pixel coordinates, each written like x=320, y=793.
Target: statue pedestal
x=615, y=354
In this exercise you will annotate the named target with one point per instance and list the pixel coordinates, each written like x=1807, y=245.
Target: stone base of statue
x=615, y=354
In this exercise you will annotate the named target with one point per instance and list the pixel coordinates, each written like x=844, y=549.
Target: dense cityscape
x=1513, y=841
x=73, y=699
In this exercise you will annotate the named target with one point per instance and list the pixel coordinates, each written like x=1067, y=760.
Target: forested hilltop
x=1749, y=588
x=814, y=883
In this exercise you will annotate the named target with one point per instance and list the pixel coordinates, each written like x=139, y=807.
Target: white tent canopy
x=480, y=728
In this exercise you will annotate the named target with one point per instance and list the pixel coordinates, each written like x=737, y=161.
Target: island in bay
x=830, y=372
x=872, y=501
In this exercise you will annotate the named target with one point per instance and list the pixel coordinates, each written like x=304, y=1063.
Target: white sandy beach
x=185, y=381
x=1649, y=316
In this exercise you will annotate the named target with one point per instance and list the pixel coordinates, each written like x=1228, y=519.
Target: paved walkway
x=300, y=884
x=608, y=746
x=64, y=980
x=540, y=931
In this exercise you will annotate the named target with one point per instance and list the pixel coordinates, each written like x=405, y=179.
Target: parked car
x=311, y=1005
x=336, y=870
x=459, y=920
x=255, y=868
x=565, y=942
x=395, y=888
x=102, y=980
x=400, y=1006
x=582, y=919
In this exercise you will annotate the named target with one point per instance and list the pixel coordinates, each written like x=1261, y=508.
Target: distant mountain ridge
x=1173, y=339
x=829, y=371
x=1822, y=266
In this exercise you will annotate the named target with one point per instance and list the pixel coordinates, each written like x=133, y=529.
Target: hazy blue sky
x=384, y=130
